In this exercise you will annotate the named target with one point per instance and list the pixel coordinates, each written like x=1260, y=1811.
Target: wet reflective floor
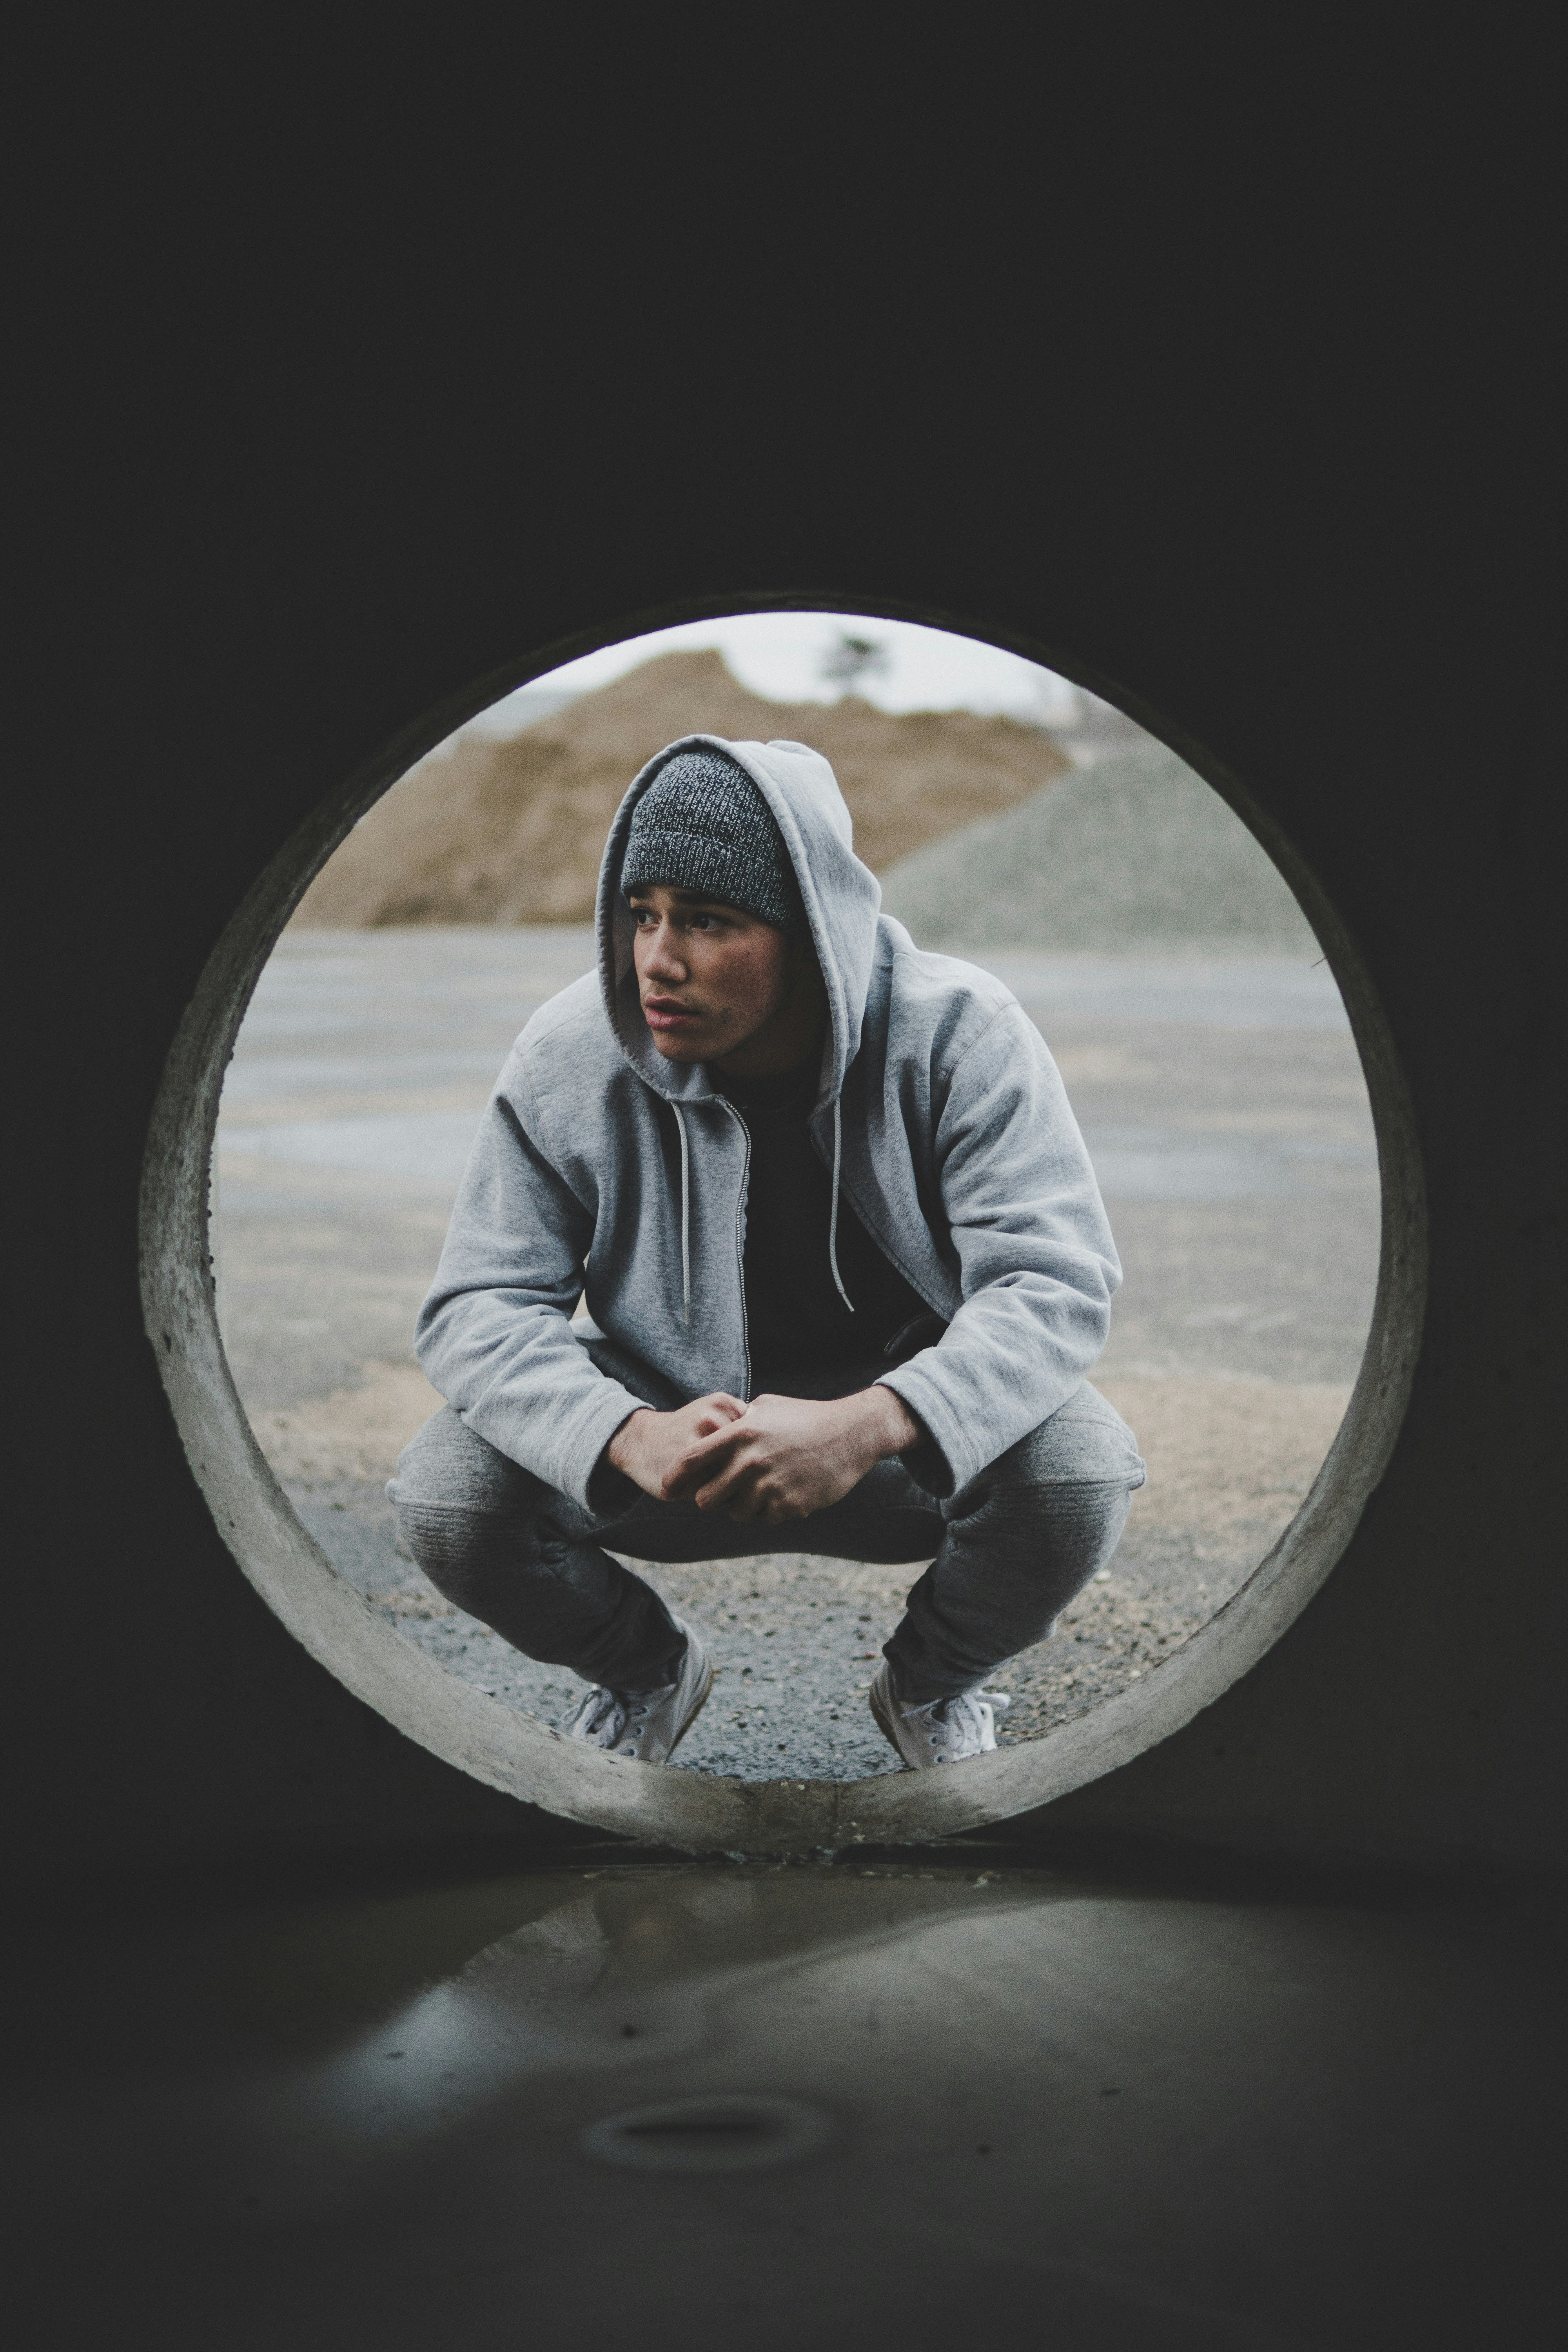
x=660, y=2104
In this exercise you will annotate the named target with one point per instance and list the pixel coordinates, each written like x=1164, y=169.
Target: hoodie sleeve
x=1036, y=1261
x=494, y=1336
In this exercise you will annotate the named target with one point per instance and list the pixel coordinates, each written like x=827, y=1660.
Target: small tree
x=844, y=663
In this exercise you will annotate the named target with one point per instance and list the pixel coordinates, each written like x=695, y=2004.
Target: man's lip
x=664, y=1014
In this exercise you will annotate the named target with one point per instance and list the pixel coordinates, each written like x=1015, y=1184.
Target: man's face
x=710, y=977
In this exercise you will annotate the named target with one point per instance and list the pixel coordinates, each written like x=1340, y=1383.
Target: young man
x=845, y=1258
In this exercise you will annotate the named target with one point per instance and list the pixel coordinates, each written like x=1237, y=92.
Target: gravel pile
x=1137, y=851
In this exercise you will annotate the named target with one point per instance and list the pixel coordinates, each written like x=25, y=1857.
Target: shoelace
x=619, y=1713
x=957, y=1722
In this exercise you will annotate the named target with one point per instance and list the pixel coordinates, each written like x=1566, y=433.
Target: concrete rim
x=526, y=1758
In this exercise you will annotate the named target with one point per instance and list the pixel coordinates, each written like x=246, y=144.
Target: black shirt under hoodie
x=800, y=1332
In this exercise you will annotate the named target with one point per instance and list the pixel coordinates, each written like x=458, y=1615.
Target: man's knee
x=462, y=1509
x=448, y=1467
x=1085, y=1442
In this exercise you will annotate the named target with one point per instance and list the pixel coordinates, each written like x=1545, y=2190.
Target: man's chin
x=677, y=1049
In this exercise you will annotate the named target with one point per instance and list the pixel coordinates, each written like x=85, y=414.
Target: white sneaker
x=943, y=1731
x=649, y=1725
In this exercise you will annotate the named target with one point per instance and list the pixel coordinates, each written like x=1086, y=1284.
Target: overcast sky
x=782, y=655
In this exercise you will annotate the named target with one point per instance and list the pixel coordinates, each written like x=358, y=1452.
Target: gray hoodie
x=602, y=1169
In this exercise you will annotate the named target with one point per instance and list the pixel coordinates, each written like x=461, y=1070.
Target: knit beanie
x=704, y=825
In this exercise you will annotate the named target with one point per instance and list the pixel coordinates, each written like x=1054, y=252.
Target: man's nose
x=660, y=960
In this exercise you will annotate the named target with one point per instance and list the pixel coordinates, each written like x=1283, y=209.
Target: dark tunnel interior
x=344, y=2013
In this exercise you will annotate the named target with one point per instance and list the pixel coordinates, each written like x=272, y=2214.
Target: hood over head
x=841, y=897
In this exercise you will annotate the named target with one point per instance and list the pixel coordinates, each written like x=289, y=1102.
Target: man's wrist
x=893, y=1424
x=620, y=1447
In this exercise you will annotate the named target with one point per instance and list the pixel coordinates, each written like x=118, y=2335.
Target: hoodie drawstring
x=685, y=1218
x=833, y=1212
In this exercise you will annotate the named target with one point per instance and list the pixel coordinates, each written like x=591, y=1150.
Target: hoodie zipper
x=742, y=1204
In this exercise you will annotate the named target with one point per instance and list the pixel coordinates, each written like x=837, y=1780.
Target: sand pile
x=1137, y=852
x=513, y=832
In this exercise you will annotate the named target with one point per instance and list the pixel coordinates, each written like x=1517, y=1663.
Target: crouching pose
x=844, y=1259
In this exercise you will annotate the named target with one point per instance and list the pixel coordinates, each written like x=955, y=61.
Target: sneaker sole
x=886, y=1729
x=697, y=1707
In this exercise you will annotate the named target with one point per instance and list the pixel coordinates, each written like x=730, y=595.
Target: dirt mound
x=1137, y=852
x=513, y=832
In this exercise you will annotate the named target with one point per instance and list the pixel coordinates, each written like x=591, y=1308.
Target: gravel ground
x=1227, y=1119
x=796, y=1638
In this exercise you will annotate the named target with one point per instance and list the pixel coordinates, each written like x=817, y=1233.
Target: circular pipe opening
x=523, y=1756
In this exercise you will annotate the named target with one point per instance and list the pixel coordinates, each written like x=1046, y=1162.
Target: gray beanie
x=704, y=825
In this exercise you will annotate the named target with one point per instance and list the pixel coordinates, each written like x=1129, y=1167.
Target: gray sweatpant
x=1010, y=1549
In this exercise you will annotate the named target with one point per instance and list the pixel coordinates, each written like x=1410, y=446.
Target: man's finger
x=697, y=1462
x=741, y=1507
x=718, y=1493
x=714, y=1442
x=745, y=1496
x=712, y=1419
x=709, y=1414
x=702, y=1462
x=731, y=1489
